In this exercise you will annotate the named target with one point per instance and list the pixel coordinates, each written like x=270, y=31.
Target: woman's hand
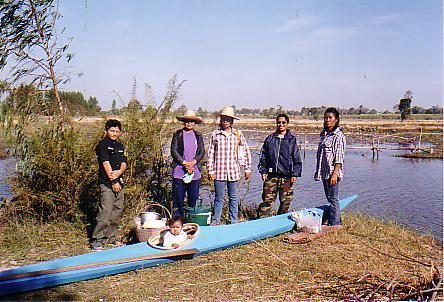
x=189, y=165
x=264, y=177
x=333, y=179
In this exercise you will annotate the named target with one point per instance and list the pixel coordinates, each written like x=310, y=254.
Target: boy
x=112, y=165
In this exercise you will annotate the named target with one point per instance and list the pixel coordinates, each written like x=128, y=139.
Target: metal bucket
x=147, y=216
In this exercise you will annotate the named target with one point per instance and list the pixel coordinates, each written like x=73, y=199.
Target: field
x=368, y=259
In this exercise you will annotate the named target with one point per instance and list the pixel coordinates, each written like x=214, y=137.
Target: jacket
x=177, y=148
x=280, y=156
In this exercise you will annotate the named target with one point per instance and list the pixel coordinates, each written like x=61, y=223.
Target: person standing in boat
x=226, y=148
x=112, y=164
x=280, y=166
x=187, y=150
x=330, y=161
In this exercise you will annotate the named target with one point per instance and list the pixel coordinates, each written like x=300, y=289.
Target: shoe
x=330, y=228
x=116, y=244
x=215, y=224
x=97, y=246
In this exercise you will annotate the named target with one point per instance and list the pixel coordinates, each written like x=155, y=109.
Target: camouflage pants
x=272, y=186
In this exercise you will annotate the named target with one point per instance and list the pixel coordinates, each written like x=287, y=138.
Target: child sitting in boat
x=176, y=235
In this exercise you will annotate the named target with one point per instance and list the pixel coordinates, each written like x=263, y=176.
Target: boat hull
x=211, y=238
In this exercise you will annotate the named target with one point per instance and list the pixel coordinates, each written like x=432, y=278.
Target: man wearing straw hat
x=187, y=150
x=223, y=163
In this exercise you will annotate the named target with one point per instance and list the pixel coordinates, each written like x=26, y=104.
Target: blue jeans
x=219, y=186
x=179, y=189
x=332, y=194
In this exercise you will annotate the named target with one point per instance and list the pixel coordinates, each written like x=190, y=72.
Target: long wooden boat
x=141, y=255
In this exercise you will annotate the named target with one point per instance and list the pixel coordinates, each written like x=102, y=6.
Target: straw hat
x=190, y=115
x=228, y=111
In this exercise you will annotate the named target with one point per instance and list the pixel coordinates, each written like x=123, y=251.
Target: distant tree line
x=42, y=102
x=314, y=112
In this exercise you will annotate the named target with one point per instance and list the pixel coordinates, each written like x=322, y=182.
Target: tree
x=405, y=105
x=30, y=45
x=113, y=107
x=418, y=110
x=181, y=110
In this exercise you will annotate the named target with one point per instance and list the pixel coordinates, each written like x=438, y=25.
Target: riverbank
x=430, y=155
x=367, y=259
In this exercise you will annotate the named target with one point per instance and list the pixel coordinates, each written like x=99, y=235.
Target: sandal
x=98, y=248
x=117, y=244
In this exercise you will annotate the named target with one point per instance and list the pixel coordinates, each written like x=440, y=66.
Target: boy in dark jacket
x=280, y=165
x=112, y=164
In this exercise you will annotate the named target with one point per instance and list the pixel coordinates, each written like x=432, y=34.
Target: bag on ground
x=307, y=221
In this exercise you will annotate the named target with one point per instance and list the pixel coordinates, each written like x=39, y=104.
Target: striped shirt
x=223, y=160
x=331, y=151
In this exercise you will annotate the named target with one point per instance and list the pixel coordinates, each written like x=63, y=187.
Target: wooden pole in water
x=373, y=145
x=377, y=147
x=305, y=144
x=419, y=142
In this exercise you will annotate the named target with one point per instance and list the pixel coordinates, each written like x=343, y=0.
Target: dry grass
x=434, y=155
x=368, y=259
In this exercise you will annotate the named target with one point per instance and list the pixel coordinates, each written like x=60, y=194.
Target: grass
x=368, y=259
x=434, y=155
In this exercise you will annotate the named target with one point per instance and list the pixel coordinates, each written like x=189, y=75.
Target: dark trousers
x=108, y=218
x=179, y=190
x=332, y=194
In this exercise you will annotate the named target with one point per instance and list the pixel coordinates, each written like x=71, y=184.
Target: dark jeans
x=179, y=190
x=332, y=194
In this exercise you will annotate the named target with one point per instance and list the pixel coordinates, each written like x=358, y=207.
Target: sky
x=259, y=54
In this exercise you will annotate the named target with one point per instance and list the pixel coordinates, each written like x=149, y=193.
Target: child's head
x=176, y=225
x=113, y=129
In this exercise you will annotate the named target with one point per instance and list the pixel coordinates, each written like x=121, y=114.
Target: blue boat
x=211, y=238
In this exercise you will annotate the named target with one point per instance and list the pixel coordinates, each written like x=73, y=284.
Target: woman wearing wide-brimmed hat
x=187, y=150
x=224, y=167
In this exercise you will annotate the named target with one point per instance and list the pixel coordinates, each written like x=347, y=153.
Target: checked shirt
x=223, y=160
x=331, y=151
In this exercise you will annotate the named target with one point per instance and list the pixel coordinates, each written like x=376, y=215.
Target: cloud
x=296, y=23
x=391, y=18
x=326, y=36
x=121, y=24
x=341, y=33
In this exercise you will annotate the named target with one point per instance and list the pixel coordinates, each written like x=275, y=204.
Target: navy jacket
x=177, y=148
x=280, y=156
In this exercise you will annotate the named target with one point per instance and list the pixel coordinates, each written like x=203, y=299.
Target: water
x=7, y=167
x=409, y=191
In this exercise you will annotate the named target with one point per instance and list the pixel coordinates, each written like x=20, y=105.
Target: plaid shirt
x=223, y=160
x=331, y=151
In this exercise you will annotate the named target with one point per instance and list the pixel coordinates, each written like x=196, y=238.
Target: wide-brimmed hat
x=228, y=111
x=190, y=115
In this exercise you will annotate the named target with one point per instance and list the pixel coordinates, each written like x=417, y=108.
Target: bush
x=55, y=173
